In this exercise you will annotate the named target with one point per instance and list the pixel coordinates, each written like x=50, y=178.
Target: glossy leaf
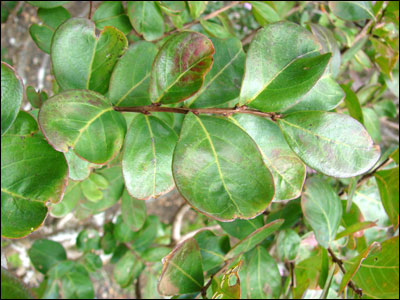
x=112, y=13
x=47, y=4
x=378, y=275
x=242, y=228
x=388, y=183
x=43, y=33
x=352, y=10
x=287, y=244
x=329, y=44
x=127, y=269
x=147, y=158
x=322, y=209
x=81, y=60
x=352, y=104
x=131, y=76
x=273, y=81
x=180, y=66
x=287, y=169
x=44, y=254
x=133, y=212
x=182, y=271
x=331, y=143
x=325, y=95
x=227, y=287
x=212, y=248
x=217, y=176
x=12, y=287
x=222, y=83
x=71, y=198
x=254, y=239
x=32, y=173
x=264, y=13
x=140, y=12
x=12, y=92
x=263, y=279
x=196, y=8
x=77, y=119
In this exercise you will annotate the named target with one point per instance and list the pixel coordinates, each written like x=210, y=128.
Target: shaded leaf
x=47, y=4
x=322, y=209
x=71, y=198
x=133, y=211
x=155, y=254
x=73, y=119
x=12, y=287
x=242, y=228
x=331, y=143
x=112, y=13
x=180, y=66
x=371, y=122
x=36, y=99
x=352, y=104
x=127, y=269
x=223, y=182
x=24, y=125
x=287, y=244
x=46, y=253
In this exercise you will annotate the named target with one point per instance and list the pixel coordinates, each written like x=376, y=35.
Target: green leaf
x=282, y=64
x=140, y=12
x=287, y=245
x=71, y=197
x=217, y=176
x=325, y=95
x=51, y=18
x=85, y=121
x=254, y=239
x=44, y=254
x=92, y=262
x=127, y=269
x=352, y=10
x=12, y=92
x=36, y=99
x=47, y=4
x=212, y=248
x=331, y=143
x=227, y=287
x=32, y=173
x=93, y=58
x=378, y=275
x=12, y=287
x=92, y=187
x=143, y=238
x=386, y=108
x=133, y=211
x=182, y=271
x=147, y=158
x=215, y=30
x=264, y=13
x=79, y=169
x=291, y=213
x=112, y=13
x=155, y=254
x=263, y=279
x=322, y=209
x=354, y=228
x=88, y=240
x=350, y=53
x=307, y=273
x=352, y=104
x=196, y=8
x=371, y=122
x=222, y=83
x=122, y=231
x=242, y=228
x=329, y=44
x=388, y=183
x=180, y=66
x=131, y=76
x=287, y=169
x=76, y=284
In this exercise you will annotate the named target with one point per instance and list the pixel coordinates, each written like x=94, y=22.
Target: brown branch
x=292, y=276
x=138, y=292
x=184, y=110
x=90, y=10
x=209, y=16
x=339, y=262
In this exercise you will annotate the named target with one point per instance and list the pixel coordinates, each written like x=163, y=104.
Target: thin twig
x=184, y=110
x=138, y=292
x=339, y=262
x=177, y=223
x=90, y=10
x=292, y=276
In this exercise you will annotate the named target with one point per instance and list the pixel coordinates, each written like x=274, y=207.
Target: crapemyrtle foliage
x=261, y=132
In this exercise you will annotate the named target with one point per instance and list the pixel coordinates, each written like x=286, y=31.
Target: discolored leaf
x=288, y=244
x=32, y=173
x=12, y=92
x=228, y=286
x=140, y=12
x=352, y=10
x=93, y=58
x=388, y=183
x=112, y=13
x=242, y=228
x=287, y=169
x=331, y=143
x=147, y=158
x=322, y=209
x=133, y=211
x=45, y=254
x=180, y=66
x=182, y=271
x=213, y=171
x=273, y=81
x=263, y=279
x=222, y=83
x=85, y=121
x=254, y=239
x=131, y=76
